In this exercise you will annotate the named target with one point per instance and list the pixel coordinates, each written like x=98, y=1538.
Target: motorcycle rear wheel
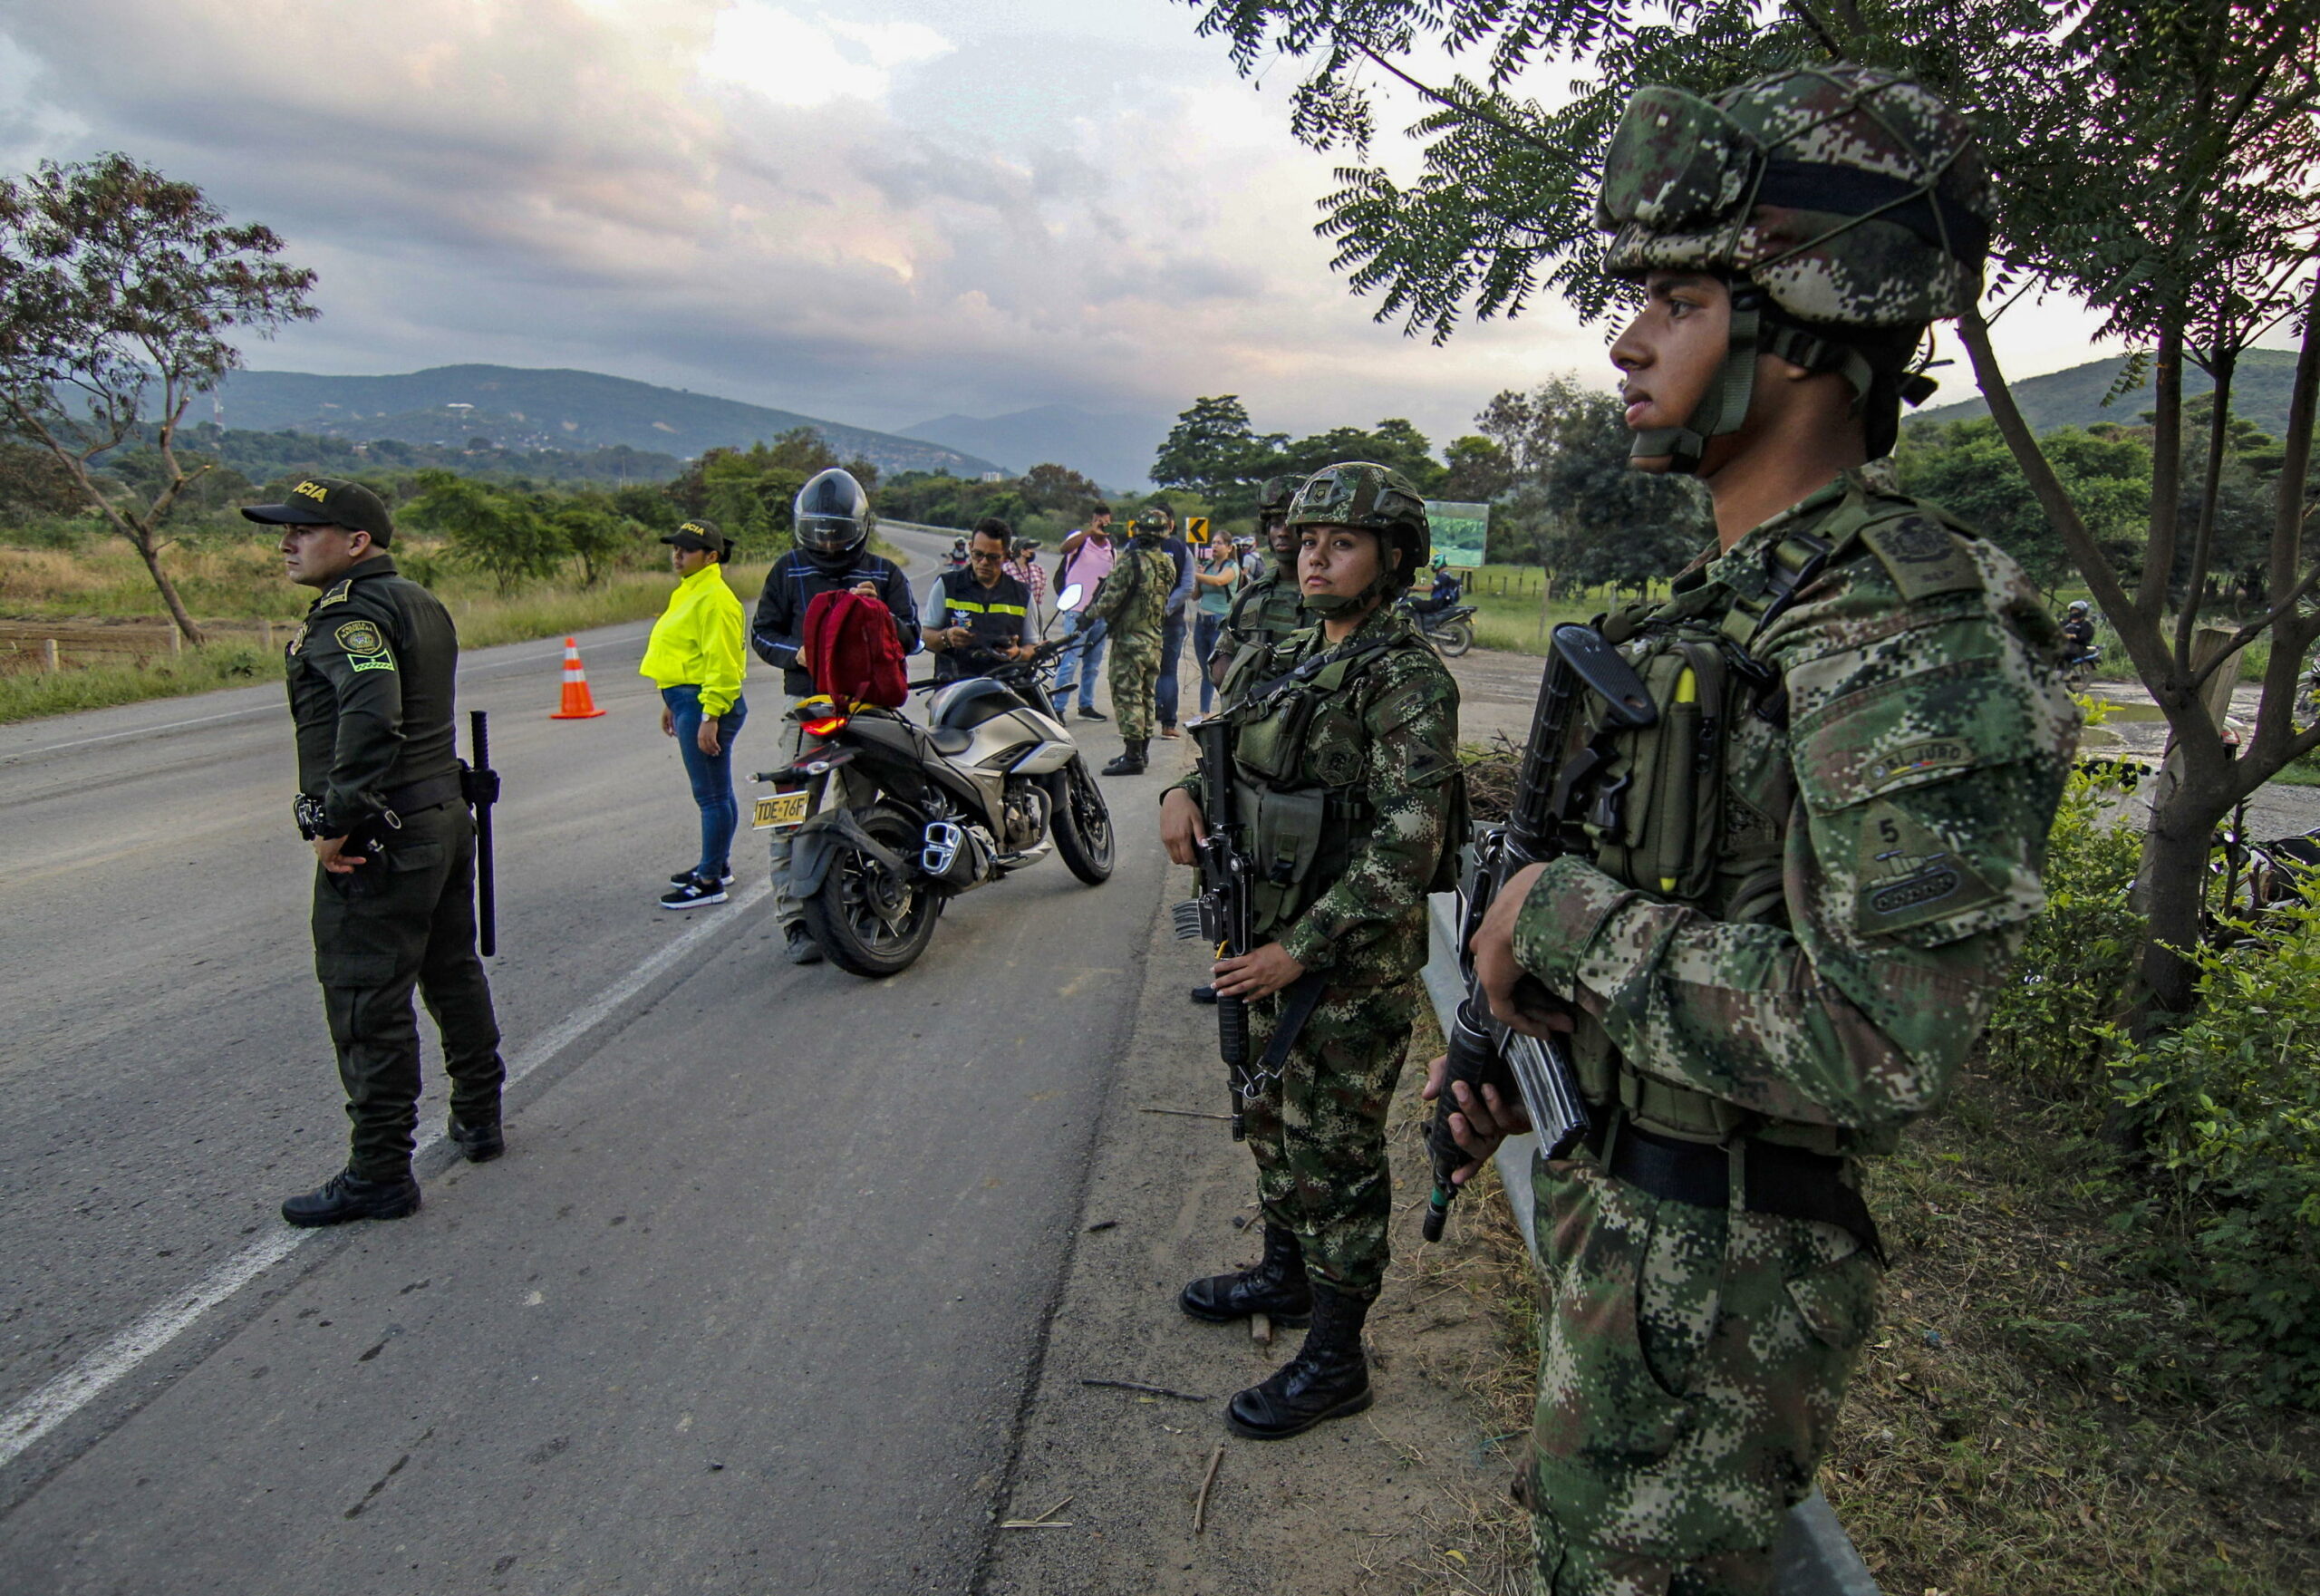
x=1453, y=638
x=869, y=923
x=1082, y=823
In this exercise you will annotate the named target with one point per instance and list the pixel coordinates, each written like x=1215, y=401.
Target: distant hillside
x=2073, y=398
x=1115, y=449
x=522, y=409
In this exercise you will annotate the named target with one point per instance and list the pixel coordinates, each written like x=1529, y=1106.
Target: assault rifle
x=1221, y=915
x=1481, y=1050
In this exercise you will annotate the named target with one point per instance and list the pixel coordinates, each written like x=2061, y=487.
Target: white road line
x=77, y=1387
x=58, y=748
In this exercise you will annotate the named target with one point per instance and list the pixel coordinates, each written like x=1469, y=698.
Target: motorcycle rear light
x=825, y=727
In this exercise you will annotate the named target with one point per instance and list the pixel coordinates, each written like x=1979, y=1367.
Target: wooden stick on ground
x=1148, y=1390
x=1185, y=1113
x=1200, y=1506
x=1044, y=1520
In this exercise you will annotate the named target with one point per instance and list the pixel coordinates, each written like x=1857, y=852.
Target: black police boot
x=347, y=1196
x=479, y=1142
x=802, y=948
x=1327, y=1378
x=1131, y=759
x=1275, y=1287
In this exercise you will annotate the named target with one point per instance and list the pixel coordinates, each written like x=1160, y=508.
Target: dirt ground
x=1368, y=1504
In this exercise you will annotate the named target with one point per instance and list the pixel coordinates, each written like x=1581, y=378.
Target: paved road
x=750, y=1304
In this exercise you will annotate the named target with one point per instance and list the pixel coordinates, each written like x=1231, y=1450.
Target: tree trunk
x=2174, y=873
x=148, y=551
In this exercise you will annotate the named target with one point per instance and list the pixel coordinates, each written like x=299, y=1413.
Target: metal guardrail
x=1814, y=1556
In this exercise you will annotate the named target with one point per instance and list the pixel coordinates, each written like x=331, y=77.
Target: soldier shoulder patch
x=1906, y=876
x=1923, y=556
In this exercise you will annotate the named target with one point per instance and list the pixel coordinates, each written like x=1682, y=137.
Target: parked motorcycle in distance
x=1451, y=630
x=892, y=819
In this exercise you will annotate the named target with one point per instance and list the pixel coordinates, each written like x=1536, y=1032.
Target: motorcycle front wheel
x=1453, y=638
x=869, y=923
x=1082, y=823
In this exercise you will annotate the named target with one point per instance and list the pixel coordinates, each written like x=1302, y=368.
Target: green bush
x=2229, y=1105
x=2078, y=958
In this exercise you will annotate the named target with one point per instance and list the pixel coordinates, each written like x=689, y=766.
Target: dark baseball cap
x=701, y=534
x=328, y=501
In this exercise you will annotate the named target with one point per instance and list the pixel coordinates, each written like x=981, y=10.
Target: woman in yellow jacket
x=695, y=659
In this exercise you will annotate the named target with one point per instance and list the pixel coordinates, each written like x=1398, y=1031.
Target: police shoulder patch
x=1923, y=556
x=337, y=593
x=360, y=638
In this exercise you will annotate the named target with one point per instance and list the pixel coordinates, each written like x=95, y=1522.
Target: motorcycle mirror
x=1068, y=599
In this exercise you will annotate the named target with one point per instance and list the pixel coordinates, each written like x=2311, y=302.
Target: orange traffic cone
x=577, y=705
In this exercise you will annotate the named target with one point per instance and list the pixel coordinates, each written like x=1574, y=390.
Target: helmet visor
x=1677, y=165
x=828, y=534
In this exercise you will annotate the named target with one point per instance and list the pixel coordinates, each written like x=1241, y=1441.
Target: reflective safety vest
x=994, y=614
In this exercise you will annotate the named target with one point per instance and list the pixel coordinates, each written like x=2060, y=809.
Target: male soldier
x=829, y=529
x=380, y=797
x=1345, y=763
x=1269, y=607
x=1804, y=884
x=1133, y=605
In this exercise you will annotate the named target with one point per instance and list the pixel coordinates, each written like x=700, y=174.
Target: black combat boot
x=1327, y=1378
x=1131, y=759
x=347, y=1196
x=478, y=1142
x=1276, y=1287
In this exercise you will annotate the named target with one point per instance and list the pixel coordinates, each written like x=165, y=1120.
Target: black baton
x=485, y=783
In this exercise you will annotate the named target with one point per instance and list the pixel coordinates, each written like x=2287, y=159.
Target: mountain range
x=1113, y=447
x=521, y=408
x=2073, y=398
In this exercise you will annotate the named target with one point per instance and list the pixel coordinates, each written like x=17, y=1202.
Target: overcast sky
x=875, y=214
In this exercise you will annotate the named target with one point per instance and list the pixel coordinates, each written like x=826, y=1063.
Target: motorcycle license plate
x=780, y=811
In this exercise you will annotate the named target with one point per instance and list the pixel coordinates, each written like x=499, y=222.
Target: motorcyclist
x=1447, y=590
x=2078, y=630
x=830, y=528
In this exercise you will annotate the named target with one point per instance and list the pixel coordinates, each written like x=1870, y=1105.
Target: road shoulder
x=1382, y=1497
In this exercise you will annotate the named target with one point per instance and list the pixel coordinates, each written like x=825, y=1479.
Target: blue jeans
x=1172, y=649
x=1207, y=630
x=1083, y=665
x=712, y=775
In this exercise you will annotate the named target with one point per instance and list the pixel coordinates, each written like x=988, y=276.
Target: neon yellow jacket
x=697, y=641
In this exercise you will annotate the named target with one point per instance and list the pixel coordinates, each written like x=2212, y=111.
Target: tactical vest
x=1299, y=753
x=994, y=614
x=1266, y=610
x=1695, y=809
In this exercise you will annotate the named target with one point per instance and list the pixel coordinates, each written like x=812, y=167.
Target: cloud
x=916, y=208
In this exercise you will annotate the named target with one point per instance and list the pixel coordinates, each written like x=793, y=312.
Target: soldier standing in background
x=1345, y=750
x=380, y=797
x=1133, y=605
x=1269, y=607
x=1807, y=881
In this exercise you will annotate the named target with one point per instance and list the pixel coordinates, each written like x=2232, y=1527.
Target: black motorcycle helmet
x=831, y=517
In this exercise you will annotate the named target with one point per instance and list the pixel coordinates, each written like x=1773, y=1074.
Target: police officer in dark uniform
x=981, y=615
x=381, y=798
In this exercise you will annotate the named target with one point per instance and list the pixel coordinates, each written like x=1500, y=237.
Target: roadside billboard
x=1461, y=531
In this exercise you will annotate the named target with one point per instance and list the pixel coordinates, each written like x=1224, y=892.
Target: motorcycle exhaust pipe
x=955, y=854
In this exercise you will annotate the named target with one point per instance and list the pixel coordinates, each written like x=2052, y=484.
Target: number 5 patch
x=1906, y=875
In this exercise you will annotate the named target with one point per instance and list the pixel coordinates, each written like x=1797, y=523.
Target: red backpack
x=851, y=651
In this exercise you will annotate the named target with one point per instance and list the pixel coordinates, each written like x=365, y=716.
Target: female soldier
x=1344, y=757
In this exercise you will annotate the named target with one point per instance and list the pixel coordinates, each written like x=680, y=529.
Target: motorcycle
x=2078, y=668
x=1451, y=630
x=891, y=819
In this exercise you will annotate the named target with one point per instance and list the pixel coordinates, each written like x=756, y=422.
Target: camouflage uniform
x=1788, y=933
x=1132, y=602
x=1266, y=611
x=1384, y=746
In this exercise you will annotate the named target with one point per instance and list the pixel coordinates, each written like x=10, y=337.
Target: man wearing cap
x=695, y=657
x=379, y=798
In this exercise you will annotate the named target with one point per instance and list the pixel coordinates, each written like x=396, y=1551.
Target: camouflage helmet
x=1154, y=521
x=1373, y=498
x=1852, y=197
x=1274, y=494
x=1845, y=207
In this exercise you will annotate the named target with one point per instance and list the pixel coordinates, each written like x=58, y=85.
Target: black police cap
x=328, y=501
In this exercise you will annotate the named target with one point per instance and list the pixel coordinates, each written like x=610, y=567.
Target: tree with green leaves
x=119, y=291
x=2159, y=159
x=509, y=534
x=1213, y=450
x=1572, y=505
x=1966, y=467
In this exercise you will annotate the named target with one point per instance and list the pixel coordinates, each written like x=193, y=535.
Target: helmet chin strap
x=1724, y=406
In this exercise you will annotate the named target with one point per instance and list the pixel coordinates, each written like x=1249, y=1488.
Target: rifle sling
x=1298, y=1002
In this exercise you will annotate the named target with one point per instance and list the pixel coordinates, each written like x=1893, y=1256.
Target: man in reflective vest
x=981, y=615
